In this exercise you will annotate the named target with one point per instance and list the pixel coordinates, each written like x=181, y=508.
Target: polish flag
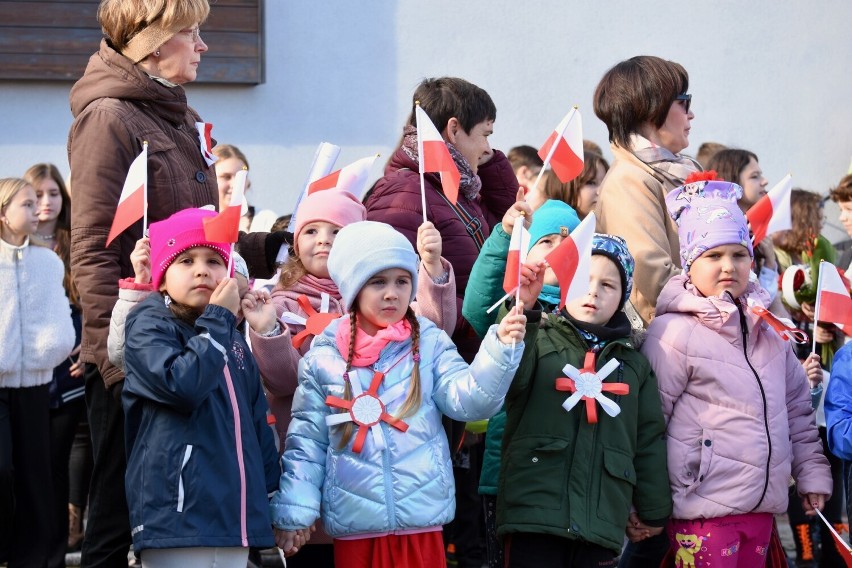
x=518, y=247
x=833, y=303
x=225, y=227
x=435, y=156
x=205, y=142
x=134, y=196
x=571, y=261
x=842, y=548
x=771, y=213
x=352, y=178
x=563, y=150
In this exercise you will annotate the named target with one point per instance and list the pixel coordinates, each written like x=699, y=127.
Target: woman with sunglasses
x=645, y=105
x=132, y=92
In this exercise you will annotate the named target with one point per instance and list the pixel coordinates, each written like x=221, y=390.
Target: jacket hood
x=679, y=295
x=111, y=75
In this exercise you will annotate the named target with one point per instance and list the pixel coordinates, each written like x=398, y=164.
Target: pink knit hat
x=707, y=216
x=180, y=232
x=332, y=206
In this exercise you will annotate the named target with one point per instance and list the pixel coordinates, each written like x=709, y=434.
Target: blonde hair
x=225, y=151
x=121, y=20
x=412, y=400
x=62, y=247
x=9, y=188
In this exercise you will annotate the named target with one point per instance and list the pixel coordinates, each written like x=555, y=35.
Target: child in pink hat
x=201, y=459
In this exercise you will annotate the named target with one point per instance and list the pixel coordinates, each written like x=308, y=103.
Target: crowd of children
x=655, y=419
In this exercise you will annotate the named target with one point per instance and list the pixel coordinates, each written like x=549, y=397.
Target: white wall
x=769, y=76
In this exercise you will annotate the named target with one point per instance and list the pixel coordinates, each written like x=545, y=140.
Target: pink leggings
x=722, y=542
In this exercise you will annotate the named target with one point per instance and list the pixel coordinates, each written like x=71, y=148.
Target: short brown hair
x=706, y=152
x=639, y=90
x=520, y=156
x=569, y=192
x=448, y=97
x=843, y=191
x=123, y=19
x=730, y=163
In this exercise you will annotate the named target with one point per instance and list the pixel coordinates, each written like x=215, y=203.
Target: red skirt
x=418, y=550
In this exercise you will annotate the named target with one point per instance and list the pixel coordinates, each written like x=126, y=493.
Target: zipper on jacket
x=744, y=331
x=238, y=438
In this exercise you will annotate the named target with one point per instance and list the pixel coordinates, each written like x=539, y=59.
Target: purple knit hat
x=707, y=216
x=180, y=232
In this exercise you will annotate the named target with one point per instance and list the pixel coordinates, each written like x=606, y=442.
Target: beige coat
x=632, y=205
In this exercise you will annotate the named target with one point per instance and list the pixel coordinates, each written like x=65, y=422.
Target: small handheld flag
x=571, y=261
x=133, y=202
x=352, y=178
x=225, y=227
x=771, y=213
x=833, y=304
x=563, y=149
x=434, y=156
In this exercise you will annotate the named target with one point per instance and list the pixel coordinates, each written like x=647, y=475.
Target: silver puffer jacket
x=408, y=485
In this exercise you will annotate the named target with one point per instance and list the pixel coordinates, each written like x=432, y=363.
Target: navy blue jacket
x=183, y=479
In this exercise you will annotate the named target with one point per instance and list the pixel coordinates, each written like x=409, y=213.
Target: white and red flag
x=352, y=178
x=833, y=304
x=435, y=156
x=842, y=548
x=771, y=213
x=572, y=259
x=563, y=149
x=133, y=202
x=225, y=227
x=518, y=246
x=205, y=142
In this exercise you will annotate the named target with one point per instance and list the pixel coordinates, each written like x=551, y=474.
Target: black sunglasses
x=686, y=98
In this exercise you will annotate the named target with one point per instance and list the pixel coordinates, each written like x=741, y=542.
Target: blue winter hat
x=365, y=248
x=614, y=248
x=554, y=217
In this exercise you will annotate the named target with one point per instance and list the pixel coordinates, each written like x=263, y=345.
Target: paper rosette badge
x=587, y=385
x=367, y=410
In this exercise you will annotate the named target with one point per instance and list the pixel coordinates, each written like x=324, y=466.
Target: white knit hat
x=364, y=249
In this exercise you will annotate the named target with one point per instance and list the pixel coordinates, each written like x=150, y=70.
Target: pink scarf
x=368, y=347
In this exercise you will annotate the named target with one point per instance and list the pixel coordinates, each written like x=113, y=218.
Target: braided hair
x=412, y=400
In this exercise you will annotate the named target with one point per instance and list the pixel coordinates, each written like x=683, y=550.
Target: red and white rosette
x=588, y=385
x=367, y=410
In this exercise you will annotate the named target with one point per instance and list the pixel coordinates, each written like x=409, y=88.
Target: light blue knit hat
x=554, y=217
x=366, y=248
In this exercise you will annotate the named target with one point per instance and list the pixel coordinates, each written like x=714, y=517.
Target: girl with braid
x=365, y=449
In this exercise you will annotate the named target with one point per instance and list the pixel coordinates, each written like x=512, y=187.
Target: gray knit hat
x=366, y=248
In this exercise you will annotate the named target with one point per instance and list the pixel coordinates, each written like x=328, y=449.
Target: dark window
x=53, y=40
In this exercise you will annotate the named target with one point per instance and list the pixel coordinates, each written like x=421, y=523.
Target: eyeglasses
x=686, y=99
x=193, y=33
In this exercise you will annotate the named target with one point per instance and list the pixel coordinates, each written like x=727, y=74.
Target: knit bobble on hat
x=364, y=249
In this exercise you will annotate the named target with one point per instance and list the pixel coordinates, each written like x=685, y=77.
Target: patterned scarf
x=677, y=166
x=470, y=184
x=369, y=347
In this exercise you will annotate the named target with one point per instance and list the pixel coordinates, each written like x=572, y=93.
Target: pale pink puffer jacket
x=733, y=440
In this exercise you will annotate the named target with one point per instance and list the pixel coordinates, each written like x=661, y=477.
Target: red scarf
x=368, y=347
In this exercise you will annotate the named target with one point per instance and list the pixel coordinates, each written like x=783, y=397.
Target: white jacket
x=36, y=331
